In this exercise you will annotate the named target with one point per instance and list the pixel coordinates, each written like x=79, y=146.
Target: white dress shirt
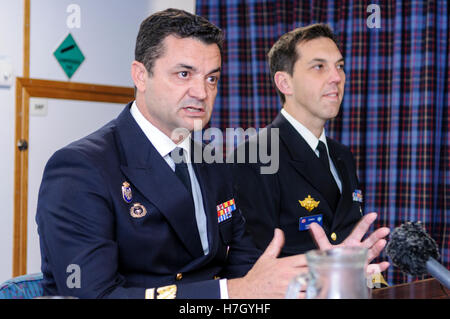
x=164, y=145
x=313, y=142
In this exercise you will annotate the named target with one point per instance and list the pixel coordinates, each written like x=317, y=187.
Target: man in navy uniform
x=315, y=181
x=137, y=221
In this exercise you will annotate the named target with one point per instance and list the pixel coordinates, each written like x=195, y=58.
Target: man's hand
x=270, y=276
x=375, y=243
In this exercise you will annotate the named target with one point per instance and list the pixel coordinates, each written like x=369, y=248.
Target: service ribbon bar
x=224, y=210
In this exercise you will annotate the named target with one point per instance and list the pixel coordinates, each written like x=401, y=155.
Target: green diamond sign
x=69, y=55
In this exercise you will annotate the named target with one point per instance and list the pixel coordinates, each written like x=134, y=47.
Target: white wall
x=62, y=124
x=106, y=37
x=11, y=38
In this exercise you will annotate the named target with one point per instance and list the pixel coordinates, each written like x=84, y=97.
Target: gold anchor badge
x=309, y=203
x=138, y=210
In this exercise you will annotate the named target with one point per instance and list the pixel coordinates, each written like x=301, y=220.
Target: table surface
x=422, y=289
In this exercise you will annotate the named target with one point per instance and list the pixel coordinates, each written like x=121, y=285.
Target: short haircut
x=182, y=24
x=283, y=54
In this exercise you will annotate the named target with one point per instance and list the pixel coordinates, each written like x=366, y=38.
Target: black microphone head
x=410, y=247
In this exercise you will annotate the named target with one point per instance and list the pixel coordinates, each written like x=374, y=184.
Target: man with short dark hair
x=130, y=208
x=138, y=223
x=316, y=182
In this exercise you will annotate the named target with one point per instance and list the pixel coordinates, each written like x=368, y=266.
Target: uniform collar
x=162, y=143
x=307, y=135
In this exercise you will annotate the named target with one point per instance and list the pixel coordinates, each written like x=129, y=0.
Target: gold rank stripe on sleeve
x=166, y=292
x=150, y=293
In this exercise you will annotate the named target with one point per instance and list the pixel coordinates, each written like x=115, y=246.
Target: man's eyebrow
x=190, y=67
x=215, y=70
x=185, y=66
x=315, y=60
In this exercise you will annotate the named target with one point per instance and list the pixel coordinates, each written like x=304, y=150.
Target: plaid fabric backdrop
x=394, y=115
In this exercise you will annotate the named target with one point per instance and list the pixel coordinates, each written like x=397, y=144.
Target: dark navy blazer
x=84, y=220
x=272, y=200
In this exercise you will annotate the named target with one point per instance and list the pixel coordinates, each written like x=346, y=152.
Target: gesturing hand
x=270, y=276
x=375, y=243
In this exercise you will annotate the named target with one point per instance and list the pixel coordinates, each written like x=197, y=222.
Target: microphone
x=415, y=252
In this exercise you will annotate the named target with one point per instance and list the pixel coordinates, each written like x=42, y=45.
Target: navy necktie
x=335, y=194
x=182, y=172
x=323, y=155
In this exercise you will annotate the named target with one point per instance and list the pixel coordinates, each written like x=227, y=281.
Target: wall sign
x=69, y=55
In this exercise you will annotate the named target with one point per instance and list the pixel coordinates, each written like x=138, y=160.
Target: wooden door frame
x=25, y=89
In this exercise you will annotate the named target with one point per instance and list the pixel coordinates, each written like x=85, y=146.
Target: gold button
x=333, y=236
x=216, y=277
x=179, y=276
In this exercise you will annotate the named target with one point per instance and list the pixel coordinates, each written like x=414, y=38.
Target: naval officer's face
x=183, y=84
x=318, y=80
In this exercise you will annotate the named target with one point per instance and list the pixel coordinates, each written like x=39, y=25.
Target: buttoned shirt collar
x=313, y=142
x=307, y=135
x=163, y=144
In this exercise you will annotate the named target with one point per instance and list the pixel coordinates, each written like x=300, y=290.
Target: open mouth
x=332, y=95
x=194, y=110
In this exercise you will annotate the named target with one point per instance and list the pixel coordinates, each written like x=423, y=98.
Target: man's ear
x=283, y=81
x=139, y=75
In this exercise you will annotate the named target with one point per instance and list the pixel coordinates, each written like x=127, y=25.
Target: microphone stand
x=438, y=271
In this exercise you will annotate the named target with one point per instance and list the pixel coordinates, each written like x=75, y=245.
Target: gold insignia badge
x=167, y=292
x=138, y=210
x=376, y=281
x=309, y=203
x=126, y=192
x=333, y=236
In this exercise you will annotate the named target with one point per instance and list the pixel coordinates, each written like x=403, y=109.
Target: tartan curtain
x=394, y=115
